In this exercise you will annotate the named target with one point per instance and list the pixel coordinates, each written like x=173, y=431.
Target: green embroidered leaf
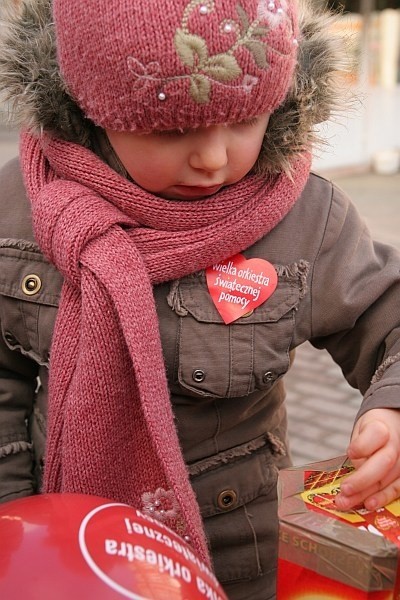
x=243, y=18
x=260, y=31
x=192, y=49
x=200, y=88
x=258, y=51
x=222, y=67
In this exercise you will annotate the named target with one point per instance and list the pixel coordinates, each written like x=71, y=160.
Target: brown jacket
x=337, y=288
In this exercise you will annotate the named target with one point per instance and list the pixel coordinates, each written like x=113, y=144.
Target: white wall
x=373, y=126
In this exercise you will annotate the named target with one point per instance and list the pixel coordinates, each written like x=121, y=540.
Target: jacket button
x=198, y=375
x=10, y=339
x=31, y=284
x=248, y=314
x=268, y=376
x=227, y=499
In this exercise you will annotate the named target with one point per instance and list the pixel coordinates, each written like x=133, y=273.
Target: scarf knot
x=68, y=218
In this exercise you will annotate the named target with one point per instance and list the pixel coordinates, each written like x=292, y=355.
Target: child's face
x=190, y=164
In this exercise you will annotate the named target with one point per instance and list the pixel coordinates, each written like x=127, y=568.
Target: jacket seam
x=20, y=244
x=379, y=388
x=34, y=258
x=13, y=292
x=316, y=260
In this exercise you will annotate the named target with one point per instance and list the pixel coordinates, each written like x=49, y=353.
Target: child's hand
x=375, y=452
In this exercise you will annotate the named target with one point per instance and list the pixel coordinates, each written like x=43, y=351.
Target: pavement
x=321, y=404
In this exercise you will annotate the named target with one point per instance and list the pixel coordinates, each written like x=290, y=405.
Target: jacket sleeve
x=18, y=381
x=355, y=308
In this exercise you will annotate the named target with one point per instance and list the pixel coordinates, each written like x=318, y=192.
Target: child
x=166, y=143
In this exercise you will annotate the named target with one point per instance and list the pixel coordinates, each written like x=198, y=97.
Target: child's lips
x=196, y=191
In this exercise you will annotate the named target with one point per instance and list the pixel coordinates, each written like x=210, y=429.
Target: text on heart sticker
x=238, y=285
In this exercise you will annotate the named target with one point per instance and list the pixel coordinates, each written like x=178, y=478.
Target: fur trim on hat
x=30, y=83
x=30, y=80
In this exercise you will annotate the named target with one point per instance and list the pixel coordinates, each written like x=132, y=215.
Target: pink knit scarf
x=111, y=428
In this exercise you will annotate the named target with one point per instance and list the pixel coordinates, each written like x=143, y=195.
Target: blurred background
x=362, y=155
x=370, y=133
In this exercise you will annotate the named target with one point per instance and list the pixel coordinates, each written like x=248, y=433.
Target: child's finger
x=347, y=502
x=370, y=437
x=373, y=471
x=384, y=496
x=379, y=494
x=372, y=498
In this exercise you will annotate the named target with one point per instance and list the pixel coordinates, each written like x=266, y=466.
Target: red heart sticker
x=238, y=285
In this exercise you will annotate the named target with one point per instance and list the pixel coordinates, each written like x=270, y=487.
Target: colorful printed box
x=325, y=554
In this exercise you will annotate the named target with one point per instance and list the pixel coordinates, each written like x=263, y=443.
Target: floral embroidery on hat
x=224, y=67
x=249, y=82
x=272, y=11
x=207, y=69
x=143, y=73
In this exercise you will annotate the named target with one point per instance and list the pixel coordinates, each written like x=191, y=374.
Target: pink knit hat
x=141, y=65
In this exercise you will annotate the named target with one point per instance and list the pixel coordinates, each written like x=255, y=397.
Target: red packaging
x=325, y=554
x=81, y=547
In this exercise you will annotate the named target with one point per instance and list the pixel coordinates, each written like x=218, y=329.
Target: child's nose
x=210, y=152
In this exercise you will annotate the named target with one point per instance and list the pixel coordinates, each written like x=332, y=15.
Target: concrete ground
x=321, y=405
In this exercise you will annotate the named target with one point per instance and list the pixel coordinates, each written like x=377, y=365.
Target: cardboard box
x=325, y=554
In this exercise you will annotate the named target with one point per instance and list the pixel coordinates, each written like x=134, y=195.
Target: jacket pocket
x=238, y=502
x=29, y=296
x=218, y=360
